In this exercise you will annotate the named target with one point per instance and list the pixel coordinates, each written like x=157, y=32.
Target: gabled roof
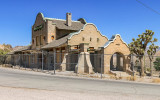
x=75, y=33
x=64, y=40
x=61, y=24
x=112, y=40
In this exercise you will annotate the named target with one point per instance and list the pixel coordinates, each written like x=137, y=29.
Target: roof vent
x=68, y=19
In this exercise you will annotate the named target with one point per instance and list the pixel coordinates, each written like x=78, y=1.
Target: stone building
x=77, y=42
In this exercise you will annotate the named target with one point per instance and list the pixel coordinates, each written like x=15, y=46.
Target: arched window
x=33, y=41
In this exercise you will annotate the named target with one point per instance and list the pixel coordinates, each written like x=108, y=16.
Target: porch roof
x=56, y=43
x=21, y=49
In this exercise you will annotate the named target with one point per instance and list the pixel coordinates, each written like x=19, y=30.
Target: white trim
x=59, y=19
x=76, y=33
x=111, y=41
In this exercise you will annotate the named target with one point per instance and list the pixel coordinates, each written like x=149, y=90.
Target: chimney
x=68, y=19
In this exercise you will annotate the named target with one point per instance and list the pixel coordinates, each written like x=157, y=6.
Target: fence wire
x=52, y=62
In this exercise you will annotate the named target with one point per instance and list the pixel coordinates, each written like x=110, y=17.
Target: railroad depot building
x=79, y=46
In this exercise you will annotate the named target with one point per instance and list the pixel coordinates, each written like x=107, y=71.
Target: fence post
x=19, y=61
x=132, y=66
x=151, y=68
x=101, y=64
x=144, y=63
x=54, y=61
x=42, y=60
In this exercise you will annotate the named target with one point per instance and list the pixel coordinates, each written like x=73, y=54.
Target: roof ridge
x=59, y=19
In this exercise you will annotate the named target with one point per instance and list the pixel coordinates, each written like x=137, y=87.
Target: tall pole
x=101, y=65
x=54, y=61
x=42, y=60
x=132, y=62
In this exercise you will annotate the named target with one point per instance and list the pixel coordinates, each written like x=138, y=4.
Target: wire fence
x=100, y=63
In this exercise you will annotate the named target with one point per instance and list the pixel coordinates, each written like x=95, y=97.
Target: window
x=33, y=41
x=97, y=39
x=37, y=41
x=90, y=39
x=41, y=40
x=52, y=37
x=82, y=38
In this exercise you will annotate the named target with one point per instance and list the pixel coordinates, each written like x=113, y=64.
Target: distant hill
x=157, y=54
x=17, y=47
x=5, y=48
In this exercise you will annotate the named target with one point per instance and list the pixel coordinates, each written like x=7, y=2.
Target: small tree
x=139, y=46
x=151, y=52
x=157, y=64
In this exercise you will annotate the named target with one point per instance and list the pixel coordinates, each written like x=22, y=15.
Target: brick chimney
x=68, y=19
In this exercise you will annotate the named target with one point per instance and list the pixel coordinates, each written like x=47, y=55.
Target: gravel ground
x=11, y=93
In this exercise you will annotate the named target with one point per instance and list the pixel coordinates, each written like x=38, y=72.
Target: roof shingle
x=61, y=24
x=56, y=43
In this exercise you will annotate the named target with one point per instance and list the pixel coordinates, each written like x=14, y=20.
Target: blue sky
x=125, y=17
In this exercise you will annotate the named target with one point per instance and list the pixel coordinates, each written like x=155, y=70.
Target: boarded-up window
x=32, y=41
x=41, y=40
x=37, y=41
x=58, y=55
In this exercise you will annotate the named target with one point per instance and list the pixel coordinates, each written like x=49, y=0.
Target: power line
x=148, y=7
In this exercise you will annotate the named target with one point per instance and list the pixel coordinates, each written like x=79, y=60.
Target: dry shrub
x=131, y=78
x=113, y=77
x=156, y=80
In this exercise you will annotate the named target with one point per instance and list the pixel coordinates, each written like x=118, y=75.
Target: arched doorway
x=117, y=62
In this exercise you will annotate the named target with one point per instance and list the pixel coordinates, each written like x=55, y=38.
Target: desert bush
x=157, y=64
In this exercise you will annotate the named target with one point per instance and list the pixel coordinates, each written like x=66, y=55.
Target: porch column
x=63, y=66
x=84, y=64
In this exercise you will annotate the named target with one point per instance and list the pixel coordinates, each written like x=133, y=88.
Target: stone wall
x=90, y=35
x=117, y=46
x=43, y=31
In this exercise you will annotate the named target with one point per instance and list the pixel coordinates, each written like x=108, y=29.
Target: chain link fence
x=55, y=62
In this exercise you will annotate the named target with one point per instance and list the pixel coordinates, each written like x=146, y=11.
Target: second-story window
x=41, y=40
x=32, y=41
x=37, y=41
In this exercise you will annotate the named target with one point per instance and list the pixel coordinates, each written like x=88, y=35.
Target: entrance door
x=117, y=62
